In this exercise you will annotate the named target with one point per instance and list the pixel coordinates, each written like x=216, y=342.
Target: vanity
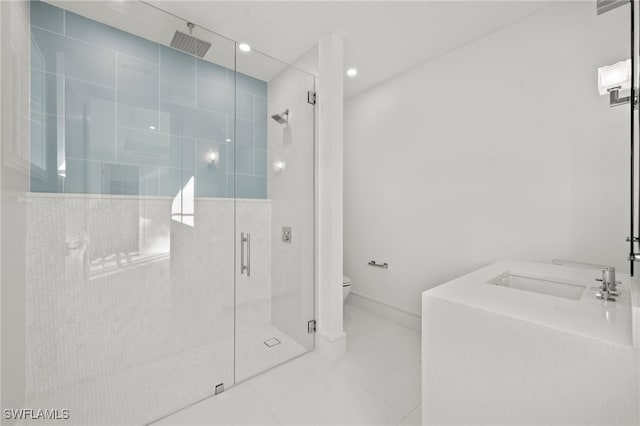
x=529, y=343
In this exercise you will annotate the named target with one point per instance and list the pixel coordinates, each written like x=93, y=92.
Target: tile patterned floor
x=376, y=383
x=253, y=356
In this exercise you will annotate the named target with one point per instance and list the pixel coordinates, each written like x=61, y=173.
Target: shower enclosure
x=169, y=221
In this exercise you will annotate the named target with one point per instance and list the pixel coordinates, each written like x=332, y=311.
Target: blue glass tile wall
x=112, y=113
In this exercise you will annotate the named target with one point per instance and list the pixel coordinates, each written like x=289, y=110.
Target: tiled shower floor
x=254, y=356
x=376, y=383
x=137, y=395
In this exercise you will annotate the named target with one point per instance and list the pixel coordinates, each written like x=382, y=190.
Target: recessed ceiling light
x=227, y=140
x=244, y=47
x=152, y=127
x=352, y=72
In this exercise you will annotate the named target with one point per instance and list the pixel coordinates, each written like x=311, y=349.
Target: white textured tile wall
x=14, y=182
x=253, y=293
x=95, y=304
x=202, y=275
x=118, y=293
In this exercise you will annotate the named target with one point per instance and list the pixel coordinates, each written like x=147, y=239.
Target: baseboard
x=332, y=347
x=385, y=310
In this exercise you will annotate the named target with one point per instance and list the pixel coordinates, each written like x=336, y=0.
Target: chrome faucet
x=608, y=288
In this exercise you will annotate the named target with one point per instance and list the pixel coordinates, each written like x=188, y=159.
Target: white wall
x=332, y=340
x=500, y=149
x=14, y=162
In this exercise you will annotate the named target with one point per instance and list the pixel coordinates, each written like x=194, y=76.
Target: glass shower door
x=169, y=218
x=274, y=187
x=130, y=215
x=203, y=216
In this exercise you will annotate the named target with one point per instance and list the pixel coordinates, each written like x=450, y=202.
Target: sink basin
x=538, y=285
x=537, y=324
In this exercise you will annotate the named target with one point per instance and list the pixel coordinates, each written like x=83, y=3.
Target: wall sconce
x=213, y=157
x=62, y=169
x=612, y=79
x=279, y=165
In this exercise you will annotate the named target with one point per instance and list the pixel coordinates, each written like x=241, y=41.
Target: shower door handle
x=244, y=240
x=248, y=255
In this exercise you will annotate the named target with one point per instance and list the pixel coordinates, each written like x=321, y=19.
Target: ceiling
x=382, y=38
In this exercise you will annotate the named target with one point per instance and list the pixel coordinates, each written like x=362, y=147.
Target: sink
x=540, y=285
x=512, y=323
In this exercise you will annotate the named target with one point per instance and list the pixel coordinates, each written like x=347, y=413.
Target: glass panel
x=634, y=194
x=130, y=245
x=596, y=42
x=274, y=157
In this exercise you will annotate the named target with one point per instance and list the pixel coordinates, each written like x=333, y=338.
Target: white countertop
x=611, y=322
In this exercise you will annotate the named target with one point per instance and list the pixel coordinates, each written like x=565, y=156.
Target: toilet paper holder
x=379, y=265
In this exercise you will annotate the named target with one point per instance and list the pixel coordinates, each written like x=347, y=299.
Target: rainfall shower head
x=188, y=43
x=282, y=118
x=604, y=6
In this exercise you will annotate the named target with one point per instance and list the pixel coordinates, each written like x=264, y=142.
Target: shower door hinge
x=616, y=100
x=311, y=327
x=311, y=97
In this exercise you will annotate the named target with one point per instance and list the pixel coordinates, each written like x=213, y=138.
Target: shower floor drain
x=272, y=342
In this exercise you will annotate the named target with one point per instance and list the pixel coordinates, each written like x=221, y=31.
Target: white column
x=332, y=340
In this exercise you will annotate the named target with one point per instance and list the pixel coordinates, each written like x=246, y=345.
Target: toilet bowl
x=346, y=287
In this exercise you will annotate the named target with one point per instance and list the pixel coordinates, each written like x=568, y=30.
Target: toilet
x=346, y=287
